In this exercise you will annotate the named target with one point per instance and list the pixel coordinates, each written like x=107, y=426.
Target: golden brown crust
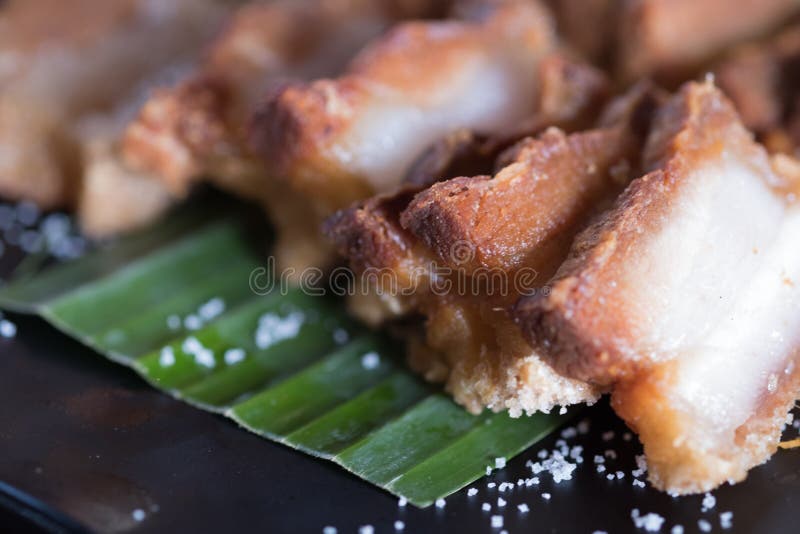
x=601, y=345
x=502, y=218
x=316, y=136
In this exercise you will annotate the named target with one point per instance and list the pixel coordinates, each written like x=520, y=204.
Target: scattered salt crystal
x=599, y=459
x=27, y=213
x=677, y=529
x=638, y=483
x=501, y=502
x=486, y=507
x=472, y=492
x=607, y=436
x=726, y=520
x=497, y=521
x=192, y=322
x=272, y=328
x=488, y=470
x=366, y=529
x=610, y=476
x=399, y=525
x=520, y=482
x=569, y=432
x=370, y=360
x=401, y=502
x=523, y=508
x=641, y=464
x=546, y=496
x=234, y=356
x=599, y=532
x=205, y=358
x=709, y=502
x=562, y=410
x=542, y=454
x=329, y=530
x=499, y=463
x=340, y=336
x=211, y=309
x=440, y=503
x=601, y=468
x=7, y=329
x=138, y=514
x=704, y=525
x=491, y=485
x=650, y=522
x=167, y=357
x=173, y=322
x=620, y=475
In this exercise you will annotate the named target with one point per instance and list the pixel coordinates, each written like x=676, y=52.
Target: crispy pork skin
x=472, y=271
x=197, y=129
x=62, y=60
x=683, y=298
x=339, y=140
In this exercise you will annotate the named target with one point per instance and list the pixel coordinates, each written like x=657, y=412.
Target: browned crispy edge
x=582, y=338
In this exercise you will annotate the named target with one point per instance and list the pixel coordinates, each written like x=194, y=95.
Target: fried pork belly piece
x=763, y=81
x=666, y=39
x=671, y=38
x=468, y=247
x=684, y=299
x=335, y=141
x=60, y=60
x=197, y=129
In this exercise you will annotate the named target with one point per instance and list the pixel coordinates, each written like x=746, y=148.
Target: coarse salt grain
x=272, y=328
x=7, y=329
x=569, y=432
x=401, y=502
x=329, y=530
x=638, y=483
x=138, y=514
x=546, y=496
x=497, y=521
x=340, y=336
x=709, y=502
x=501, y=502
x=726, y=520
x=440, y=503
x=523, y=508
x=499, y=463
x=599, y=459
x=167, y=357
x=620, y=475
x=399, y=525
x=650, y=522
x=704, y=525
x=366, y=529
x=192, y=322
x=234, y=356
x=472, y=492
x=486, y=507
x=562, y=410
x=211, y=309
x=601, y=468
x=370, y=360
x=173, y=322
x=677, y=529
x=491, y=485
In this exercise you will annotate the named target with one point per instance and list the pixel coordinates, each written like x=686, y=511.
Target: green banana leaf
x=286, y=365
